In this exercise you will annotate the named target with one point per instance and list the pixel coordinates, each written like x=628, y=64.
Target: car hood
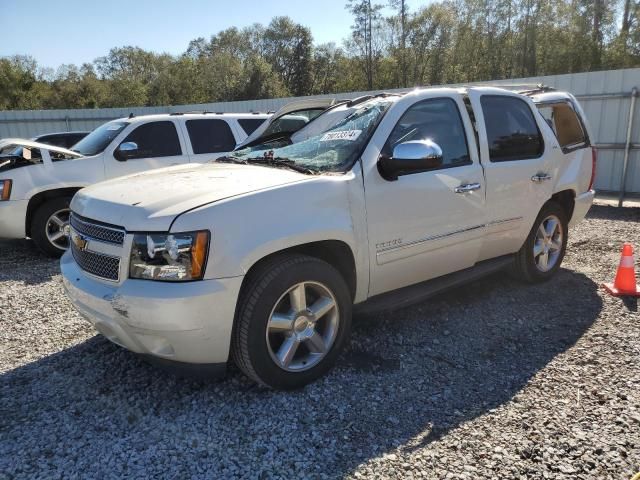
x=20, y=142
x=151, y=200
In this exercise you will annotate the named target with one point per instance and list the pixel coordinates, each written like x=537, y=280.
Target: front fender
x=248, y=228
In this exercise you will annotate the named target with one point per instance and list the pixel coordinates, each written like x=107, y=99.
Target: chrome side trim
x=428, y=239
x=444, y=235
x=500, y=222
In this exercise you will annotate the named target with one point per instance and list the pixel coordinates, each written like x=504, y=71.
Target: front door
x=431, y=223
x=157, y=145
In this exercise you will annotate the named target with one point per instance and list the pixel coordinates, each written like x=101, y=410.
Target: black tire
x=39, y=225
x=525, y=267
x=260, y=295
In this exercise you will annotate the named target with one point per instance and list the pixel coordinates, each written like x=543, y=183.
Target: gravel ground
x=497, y=379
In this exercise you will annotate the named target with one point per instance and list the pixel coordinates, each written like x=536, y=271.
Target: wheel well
x=566, y=199
x=335, y=252
x=41, y=197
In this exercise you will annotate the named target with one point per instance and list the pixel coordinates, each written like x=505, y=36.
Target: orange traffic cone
x=625, y=282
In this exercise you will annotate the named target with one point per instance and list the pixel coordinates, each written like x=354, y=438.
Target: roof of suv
x=193, y=115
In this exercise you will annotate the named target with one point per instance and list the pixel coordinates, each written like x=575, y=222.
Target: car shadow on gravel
x=609, y=212
x=22, y=261
x=407, y=378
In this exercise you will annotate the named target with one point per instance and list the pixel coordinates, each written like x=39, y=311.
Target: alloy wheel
x=302, y=326
x=57, y=229
x=547, y=246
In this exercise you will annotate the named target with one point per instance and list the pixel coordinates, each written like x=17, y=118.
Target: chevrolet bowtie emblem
x=79, y=241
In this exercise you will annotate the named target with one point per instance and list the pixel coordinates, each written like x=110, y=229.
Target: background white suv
x=36, y=189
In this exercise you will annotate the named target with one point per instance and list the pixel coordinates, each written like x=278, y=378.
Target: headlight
x=171, y=257
x=5, y=189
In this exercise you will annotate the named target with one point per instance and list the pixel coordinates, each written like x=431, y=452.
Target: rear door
x=208, y=138
x=521, y=158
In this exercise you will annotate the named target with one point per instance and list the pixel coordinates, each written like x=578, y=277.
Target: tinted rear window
x=512, y=132
x=210, y=136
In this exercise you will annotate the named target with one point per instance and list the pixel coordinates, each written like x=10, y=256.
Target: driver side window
x=438, y=120
x=155, y=139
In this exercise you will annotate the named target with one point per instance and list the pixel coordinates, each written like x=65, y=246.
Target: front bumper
x=13, y=215
x=187, y=322
x=581, y=206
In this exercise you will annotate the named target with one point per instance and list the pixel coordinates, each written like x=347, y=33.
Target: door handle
x=467, y=187
x=540, y=177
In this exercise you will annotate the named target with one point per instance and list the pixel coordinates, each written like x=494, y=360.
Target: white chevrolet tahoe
x=261, y=256
x=37, y=185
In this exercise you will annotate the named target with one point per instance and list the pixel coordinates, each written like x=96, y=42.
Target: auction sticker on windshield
x=350, y=135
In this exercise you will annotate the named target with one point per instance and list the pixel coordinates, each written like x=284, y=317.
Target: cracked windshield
x=333, y=149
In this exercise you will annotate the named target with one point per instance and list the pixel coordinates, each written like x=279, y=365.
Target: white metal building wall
x=605, y=97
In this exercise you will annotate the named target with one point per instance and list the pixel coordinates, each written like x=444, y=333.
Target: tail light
x=594, y=160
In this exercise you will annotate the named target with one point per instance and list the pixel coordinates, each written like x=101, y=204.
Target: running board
x=406, y=296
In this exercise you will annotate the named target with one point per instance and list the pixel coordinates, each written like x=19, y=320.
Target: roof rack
x=521, y=88
x=209, y=112
x=540, y=88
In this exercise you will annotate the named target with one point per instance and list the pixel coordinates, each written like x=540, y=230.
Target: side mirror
x=125, y=151
x=410, y=157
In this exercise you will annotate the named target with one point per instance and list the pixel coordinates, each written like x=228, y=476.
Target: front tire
x=292, y=322
x=543, y=251
x=50, y=226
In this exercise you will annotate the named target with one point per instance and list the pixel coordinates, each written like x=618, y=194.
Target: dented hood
x=151, y=200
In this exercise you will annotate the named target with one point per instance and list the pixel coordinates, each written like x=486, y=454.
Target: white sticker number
x=350, y=135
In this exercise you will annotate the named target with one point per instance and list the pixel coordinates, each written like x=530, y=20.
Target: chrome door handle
x=467, y=187
x=540, y=177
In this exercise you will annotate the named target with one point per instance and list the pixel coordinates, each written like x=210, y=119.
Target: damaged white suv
x=378, y=202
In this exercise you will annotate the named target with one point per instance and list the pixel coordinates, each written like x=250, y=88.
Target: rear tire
x=543, y=251
x=292, y=321
x=50, y=225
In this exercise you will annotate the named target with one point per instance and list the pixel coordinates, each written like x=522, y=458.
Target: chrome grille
x=97, y=264
x=99, y=232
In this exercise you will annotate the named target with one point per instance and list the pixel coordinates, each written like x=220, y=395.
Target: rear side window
x=249, y=125
x=512, y=132
x=564, y=122
x=210, y=136
x=155, y=139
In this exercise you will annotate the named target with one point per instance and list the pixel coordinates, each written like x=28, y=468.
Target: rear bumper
x=13, y=215
x=582, y=205
x=187, y=322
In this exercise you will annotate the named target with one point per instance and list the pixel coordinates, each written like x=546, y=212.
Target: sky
x=57, y=32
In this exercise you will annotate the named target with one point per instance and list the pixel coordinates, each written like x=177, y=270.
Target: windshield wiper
x=280, y=162
x=229, y=159
x=267, y=160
